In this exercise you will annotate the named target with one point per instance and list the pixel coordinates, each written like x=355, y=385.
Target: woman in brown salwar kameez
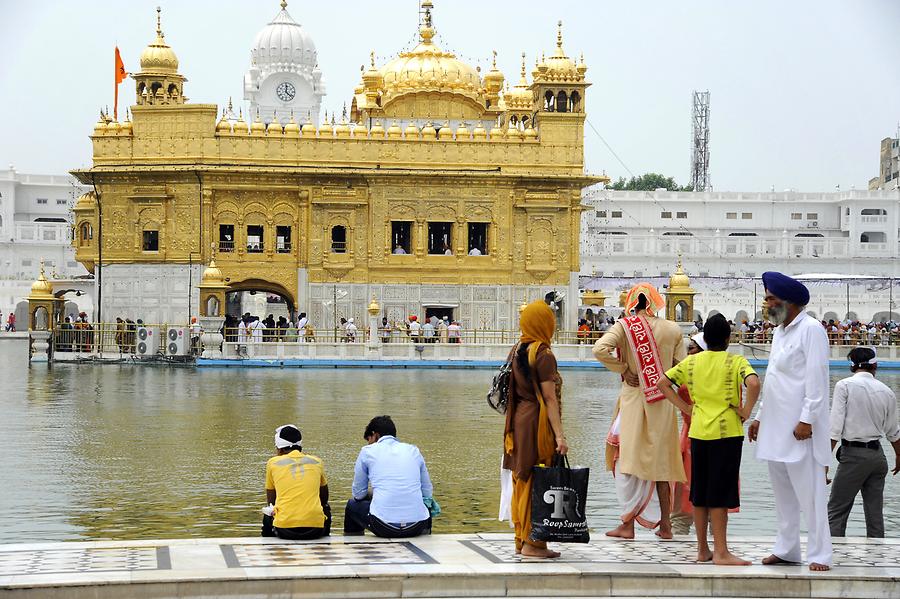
x=533, y=431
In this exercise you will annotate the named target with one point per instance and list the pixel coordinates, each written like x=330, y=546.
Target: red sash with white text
x=640, y=339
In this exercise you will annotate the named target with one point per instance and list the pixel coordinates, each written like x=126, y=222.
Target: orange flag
x=121, y=73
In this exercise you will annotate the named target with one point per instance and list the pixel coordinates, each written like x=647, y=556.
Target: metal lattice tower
x=700, y=143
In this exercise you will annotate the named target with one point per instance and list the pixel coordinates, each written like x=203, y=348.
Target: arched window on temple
x=549, y=101
x=338, y=239
x=86, y=234
x=562, y=102
x=575, y=101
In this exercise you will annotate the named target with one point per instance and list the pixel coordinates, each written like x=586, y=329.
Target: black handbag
x=498, y=396
x=558, y=501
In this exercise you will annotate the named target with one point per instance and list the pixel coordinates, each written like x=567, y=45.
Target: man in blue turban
x=792, y=423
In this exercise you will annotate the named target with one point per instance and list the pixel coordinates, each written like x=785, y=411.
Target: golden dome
x=462, y=132
x=126, y=128
x=429, y=68
x=560, y=67
x=292, y=129
x=372, y=78
x=212, y=276
x=274, y=128
x=257, y=127
x=377, y=130
x=520, y=97
x=493, y=81
x=308, y=130
x=374, y=308
x=241, y=125
x=679, y=281
x=86, y=201
x=342, y=129
x=512, y=132
x=411, y=131
x=530, y=132
x=112, y=128
x=479, y=132
x=42, y=287
x=100, y=126
x=394, y=131
x=445, y=132
x=158, y=57
x=497, y=132
x=428, y=131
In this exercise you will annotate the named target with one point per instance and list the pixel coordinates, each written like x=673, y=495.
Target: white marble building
x=727, y=240
x=284, y=75
x=35, y=225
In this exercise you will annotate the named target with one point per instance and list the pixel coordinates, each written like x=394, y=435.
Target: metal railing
x=125, y=338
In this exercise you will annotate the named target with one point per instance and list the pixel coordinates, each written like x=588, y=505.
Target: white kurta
x=796, y=390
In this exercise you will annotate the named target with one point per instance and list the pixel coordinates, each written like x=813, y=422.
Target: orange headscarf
x=654, y=300
x=538, y=325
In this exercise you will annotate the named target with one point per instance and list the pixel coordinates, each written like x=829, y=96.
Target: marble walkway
x=482, y=565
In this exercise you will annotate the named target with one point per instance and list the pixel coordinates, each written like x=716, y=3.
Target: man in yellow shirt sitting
x=714, y=379
x=296, y=491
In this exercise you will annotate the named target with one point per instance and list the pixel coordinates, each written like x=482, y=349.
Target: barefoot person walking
x=643, y=449
x=792, y=425
x=533, y=430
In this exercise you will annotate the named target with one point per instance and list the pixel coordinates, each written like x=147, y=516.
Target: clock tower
x=284, y=75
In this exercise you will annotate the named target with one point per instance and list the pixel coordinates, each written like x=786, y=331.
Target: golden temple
x=439, y=189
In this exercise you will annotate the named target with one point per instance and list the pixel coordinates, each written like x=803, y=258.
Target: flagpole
x=116, y=85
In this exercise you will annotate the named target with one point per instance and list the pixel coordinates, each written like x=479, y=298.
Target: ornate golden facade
x=428, y=143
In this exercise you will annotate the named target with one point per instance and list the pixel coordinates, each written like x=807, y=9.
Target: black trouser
x=302, y=533
x=357, y=519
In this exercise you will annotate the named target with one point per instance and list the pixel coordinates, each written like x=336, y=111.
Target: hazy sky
x=802, y=91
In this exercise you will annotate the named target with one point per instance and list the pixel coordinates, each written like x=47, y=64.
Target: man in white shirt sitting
x=863, y=410
x=474, y=252
x=399, y=250
x=395, y=506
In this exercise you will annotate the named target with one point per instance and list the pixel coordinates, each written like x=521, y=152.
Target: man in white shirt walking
x=792, y=424
x=863, y=410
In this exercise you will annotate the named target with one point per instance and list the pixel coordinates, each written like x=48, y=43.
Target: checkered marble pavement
x=324, y=554
x=679, y=552
x=83, y=560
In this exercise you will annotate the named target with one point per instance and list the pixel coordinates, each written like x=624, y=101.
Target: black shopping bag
x=558, y=498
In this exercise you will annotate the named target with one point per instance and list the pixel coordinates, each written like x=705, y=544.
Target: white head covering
x=284, y=443
x=700, y=341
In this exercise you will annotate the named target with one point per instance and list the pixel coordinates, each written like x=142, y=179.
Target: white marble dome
x=283, y=46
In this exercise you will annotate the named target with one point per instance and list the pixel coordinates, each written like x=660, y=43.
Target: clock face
x=285, y=91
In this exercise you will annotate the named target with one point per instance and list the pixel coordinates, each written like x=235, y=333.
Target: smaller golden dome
x=377, y=130
x=493, y=80
x=308, y=130
x=560, y=67
x=520, y=97
x=512, y=132
x=212, y=276
x=342, y=129
x=394, y=131
x=86, y=201
x=42, y=288
x=292, y=129
x=428, y=131
x=374, y=308
x=411, y=131
x=257, y=127
x=445, y=132
x=679, y=281
x=126, y=128
x=274, y=127
x=158, y=57
x=372, y=78
x=112, y=128
x=100, y=126
x=462, y=132
x=530, y=132
x=497, y=132
x=479, y=133
x=241, y=125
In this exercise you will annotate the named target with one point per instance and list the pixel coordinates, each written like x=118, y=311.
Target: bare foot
x=729, y=559
x=814, y=567
x=623, y=531
x=704, y=556
x=774, y=560
x=665, y=531
x=532, y=551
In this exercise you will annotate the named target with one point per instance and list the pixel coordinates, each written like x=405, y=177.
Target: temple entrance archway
x=260, y=298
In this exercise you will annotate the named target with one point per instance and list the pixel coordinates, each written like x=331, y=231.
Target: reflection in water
x=129, y=452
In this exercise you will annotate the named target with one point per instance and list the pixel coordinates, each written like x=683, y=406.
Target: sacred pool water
x=127, y=452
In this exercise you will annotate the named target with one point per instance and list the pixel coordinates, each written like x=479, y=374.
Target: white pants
x=800, y=487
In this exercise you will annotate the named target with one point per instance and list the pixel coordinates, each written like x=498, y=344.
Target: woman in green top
x=714, y=379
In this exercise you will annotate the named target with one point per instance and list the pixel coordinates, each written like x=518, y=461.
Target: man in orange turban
x=643, y=449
